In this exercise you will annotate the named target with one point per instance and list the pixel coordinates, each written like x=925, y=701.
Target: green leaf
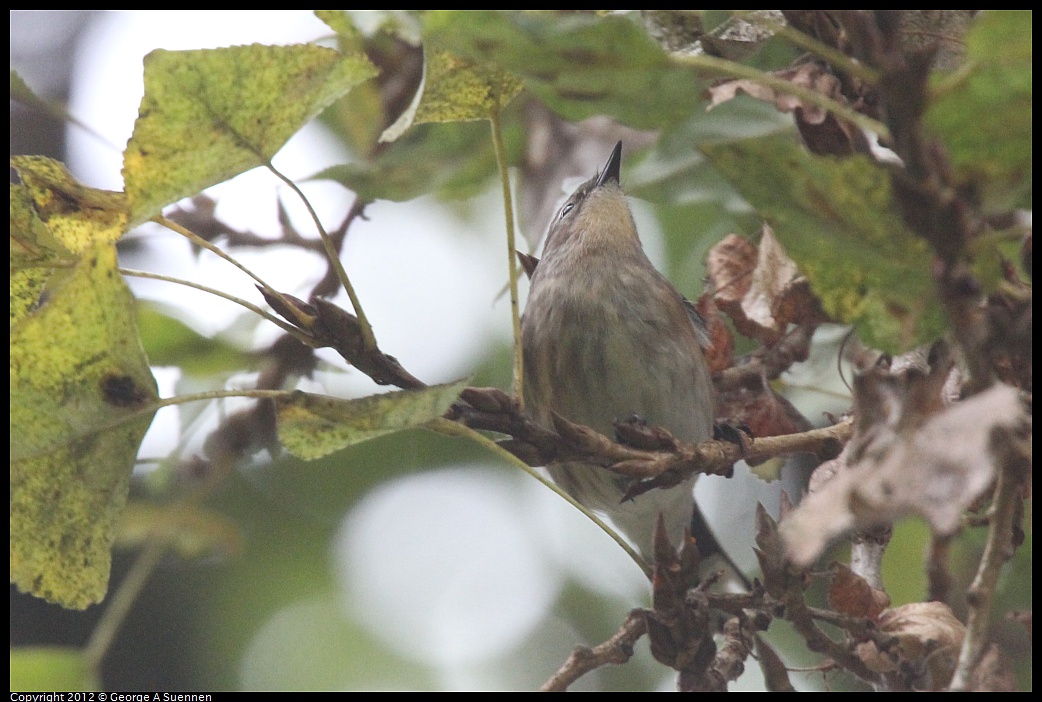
x=340, y=22
x=50, y=668
x=211, y=114
x=312, y=426
x=170, y=342
x=983, y=112
x=452, y=160
x=580, y=65
x=455, y=89
x=192, y=531
x=82, y=397
x=391, y=39
x=672, y=172
x=837, y=219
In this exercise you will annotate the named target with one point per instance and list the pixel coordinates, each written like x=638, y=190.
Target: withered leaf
x=935, y=471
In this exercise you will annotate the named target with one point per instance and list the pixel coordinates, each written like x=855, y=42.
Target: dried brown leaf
x=760, y=409
x=821, y=130
x=772, y=277
x=851, y=594
x=770, y=552
x=807, y=75
x=729, y=266
x=759, y=287
x=928, y=634
x=719, y=352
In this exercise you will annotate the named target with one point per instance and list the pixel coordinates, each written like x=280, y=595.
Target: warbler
x=605, y=337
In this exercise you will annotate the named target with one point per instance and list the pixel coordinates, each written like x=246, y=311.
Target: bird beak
x=610, y=174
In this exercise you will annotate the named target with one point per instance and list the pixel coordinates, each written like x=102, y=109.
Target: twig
x=767, y=363
x=329, y=283
x=656, y=469
x=738, y=643
x=938, y=575
x=802, y=619
x=616, y=650
x=998, y=549
x=327, y=325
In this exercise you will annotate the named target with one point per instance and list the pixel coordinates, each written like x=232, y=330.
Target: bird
x=605, y=336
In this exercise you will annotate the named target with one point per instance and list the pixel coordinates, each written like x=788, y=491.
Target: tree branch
x=616, y=650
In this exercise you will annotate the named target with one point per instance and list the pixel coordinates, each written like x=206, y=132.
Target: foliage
x=912, y=250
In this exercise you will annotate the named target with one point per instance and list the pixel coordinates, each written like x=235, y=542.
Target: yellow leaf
x=82, y=397
x=76, y=215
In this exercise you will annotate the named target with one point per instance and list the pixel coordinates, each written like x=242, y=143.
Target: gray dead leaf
x=934, y=467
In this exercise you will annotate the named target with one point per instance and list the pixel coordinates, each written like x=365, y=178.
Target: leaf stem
x=456, y=429
x=737, y=70
x=219, y=394
x=201, y=242
x=368, y=338
x=198, y=240
x=285, y=326
x=835, y=57
x=120, y=603
x=981, y=594
x=147, y=411
x=508, y=210
x=161, y=535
